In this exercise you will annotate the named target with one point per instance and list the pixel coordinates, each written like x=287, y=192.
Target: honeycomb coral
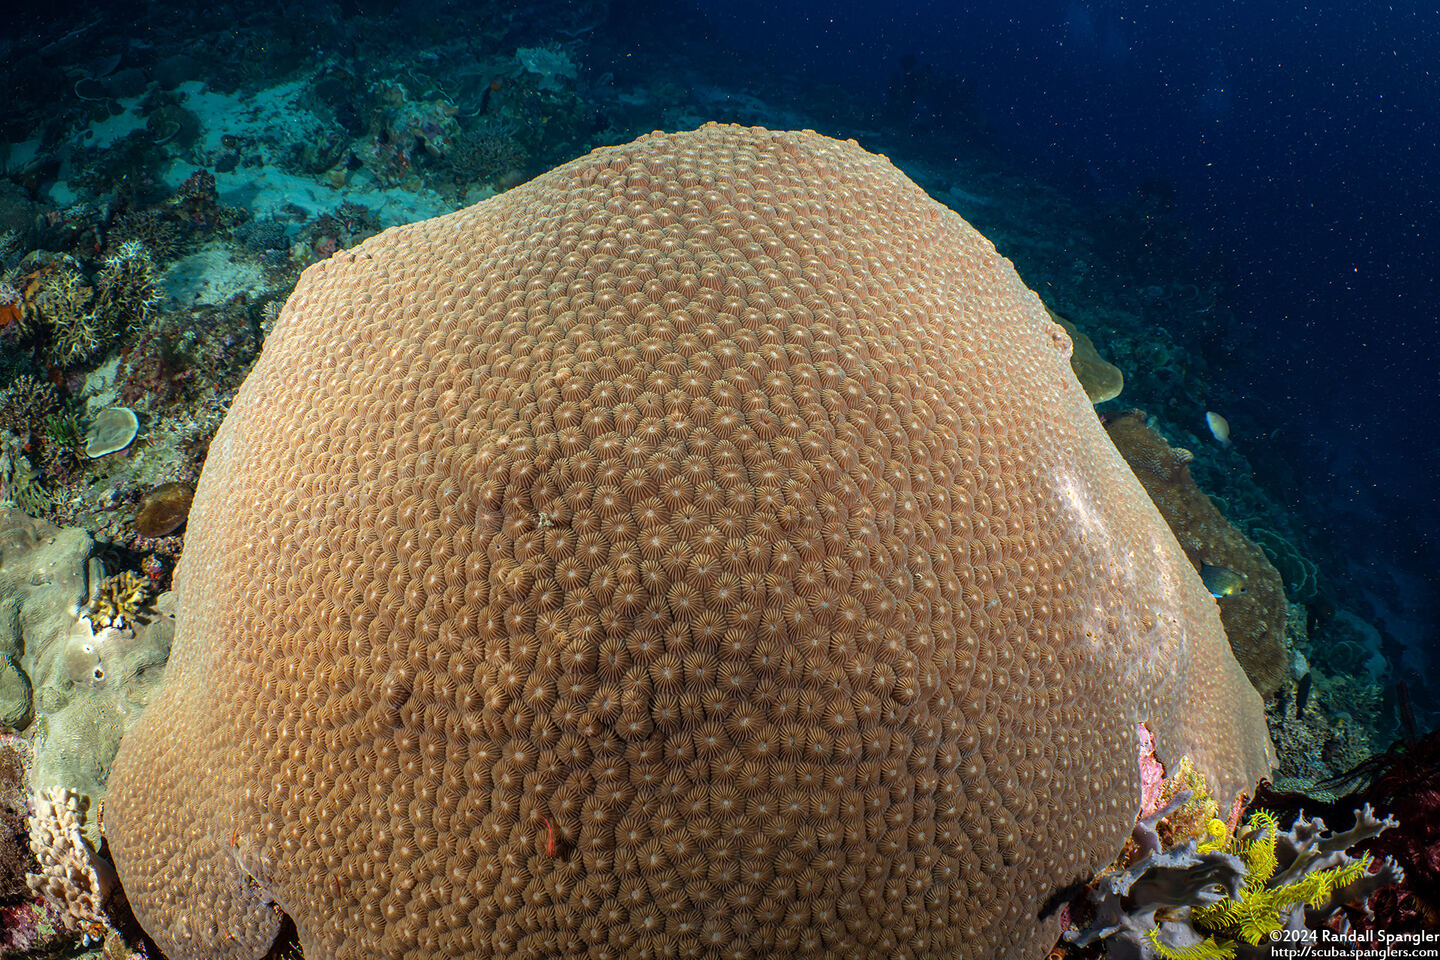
x=701, y=550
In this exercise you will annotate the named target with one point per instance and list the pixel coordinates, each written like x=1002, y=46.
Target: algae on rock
x=73, y=691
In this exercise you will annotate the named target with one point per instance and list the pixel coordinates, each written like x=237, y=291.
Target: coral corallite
x=704, y=549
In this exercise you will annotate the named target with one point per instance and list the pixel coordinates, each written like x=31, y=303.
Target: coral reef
x=85, y=175
x=551, y=65
x=43, y=577
x=60, y=441
x=79, y=314
x=1224, y=897
x=20, y=483
x=1405, y=783
x=112, y=430
x=158, y=229
x=126, y=288
x=1332, y=733
x=91, y=686
x=15, y=857
x=188, y=358
x=72, y=878
x=490, y=152
x=1255, y=619
x=322, y=237
x=1298, y=571
x=63, y=304
x=12, y=307
x=197, y=202
x=119, y=599
x=403, y=131
x=28, y=927
x=26, y=404
x=710, y=530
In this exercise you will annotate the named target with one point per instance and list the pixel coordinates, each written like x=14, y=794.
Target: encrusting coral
x=72, y=877
x=1101, y=379
x=704, y=547
x=72, y=689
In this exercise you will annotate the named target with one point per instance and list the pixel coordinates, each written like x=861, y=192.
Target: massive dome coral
x=702, y=550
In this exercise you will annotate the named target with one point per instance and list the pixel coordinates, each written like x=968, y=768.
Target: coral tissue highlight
x=701, y=550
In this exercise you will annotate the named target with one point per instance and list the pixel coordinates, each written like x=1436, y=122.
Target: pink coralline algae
x=29, y=928
x=1152, y=772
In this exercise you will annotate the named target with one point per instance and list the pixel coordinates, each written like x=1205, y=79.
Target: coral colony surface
x=440, y=517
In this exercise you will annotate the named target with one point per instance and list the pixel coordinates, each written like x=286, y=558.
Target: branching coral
x=119, y=599
x=26, y=403
x=156, y=228
x=489, y=152
x=126, y=289
x=20, y=484
x=63, y=301
x=27, y=928
x=79, y=314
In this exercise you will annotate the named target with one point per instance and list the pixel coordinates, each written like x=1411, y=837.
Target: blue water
x=1302, y=145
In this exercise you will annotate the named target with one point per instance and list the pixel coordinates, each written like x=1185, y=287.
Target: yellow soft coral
x=1207, y=949
x=1216, y=836
x=1260, y=909
x=1193, y=819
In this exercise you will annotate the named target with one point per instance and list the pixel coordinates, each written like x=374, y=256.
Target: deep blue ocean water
x=1302, y=146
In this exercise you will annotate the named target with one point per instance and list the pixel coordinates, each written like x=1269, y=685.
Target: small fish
x=1219, y=427
x=1222, y=581
x=1302, y=693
